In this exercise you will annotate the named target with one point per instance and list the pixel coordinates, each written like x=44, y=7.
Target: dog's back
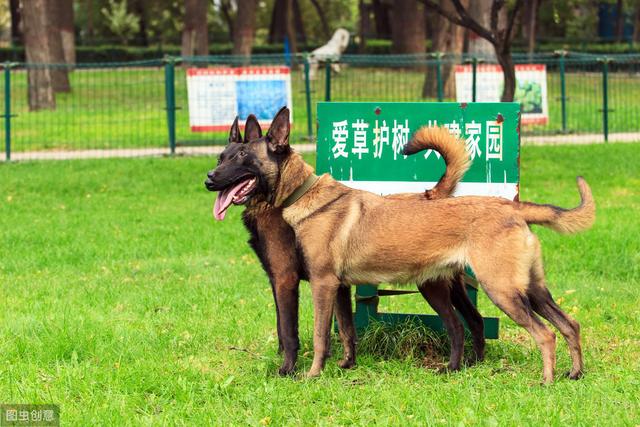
x=419, y=238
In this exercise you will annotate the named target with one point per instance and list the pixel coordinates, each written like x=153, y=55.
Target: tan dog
x=350, y=236
x=243, y=176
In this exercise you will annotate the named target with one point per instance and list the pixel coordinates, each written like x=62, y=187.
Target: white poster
x=531, y=88
x=218, y=95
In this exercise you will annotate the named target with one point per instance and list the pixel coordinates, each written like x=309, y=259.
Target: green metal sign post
x=360, y=144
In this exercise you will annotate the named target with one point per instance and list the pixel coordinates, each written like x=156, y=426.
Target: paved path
x=580, y=139
x=301, y=148
x=132, y=152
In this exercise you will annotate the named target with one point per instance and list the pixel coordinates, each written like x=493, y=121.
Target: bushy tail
x=453, y=152
x=563, y=220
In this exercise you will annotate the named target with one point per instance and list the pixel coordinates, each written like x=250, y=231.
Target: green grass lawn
x=125, y=107
x=125, y=303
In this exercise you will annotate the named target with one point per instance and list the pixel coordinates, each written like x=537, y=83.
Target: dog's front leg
x=275, y=300
x=285, y=291
x=324, y=292
x=344, y=316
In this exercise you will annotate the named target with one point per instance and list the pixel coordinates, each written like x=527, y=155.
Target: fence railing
x=141, y=108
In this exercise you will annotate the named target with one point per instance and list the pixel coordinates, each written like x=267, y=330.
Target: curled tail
x=453, y=152
x=560, y=219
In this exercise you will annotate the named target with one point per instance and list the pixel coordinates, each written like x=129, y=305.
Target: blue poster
x=218, y=95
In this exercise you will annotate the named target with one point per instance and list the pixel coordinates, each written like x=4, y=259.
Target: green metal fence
x=140, y=108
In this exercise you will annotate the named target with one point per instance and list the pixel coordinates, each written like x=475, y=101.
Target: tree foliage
x=160, y=22
x=120, y=21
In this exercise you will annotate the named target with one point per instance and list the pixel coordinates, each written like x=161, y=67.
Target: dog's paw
x=312, y=373
x=574, y=375
x=472, y=361
x=478, y=355
x=547, y=380
x=449, y=369
x=286, y=369
x=346, y=363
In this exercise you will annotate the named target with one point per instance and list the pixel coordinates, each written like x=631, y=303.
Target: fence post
x=563, y=90
x=307, y=88
x=170, y=99
x=7, y=110
x=605, y=97
x=439, y=76
x=327, y=81
x=474, y=78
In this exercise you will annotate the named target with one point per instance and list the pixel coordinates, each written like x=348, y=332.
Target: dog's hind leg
x=438, y=295
x=470, y=314
x=542, y=303
x=344, y=316
x=502, y=265
x=518, y=307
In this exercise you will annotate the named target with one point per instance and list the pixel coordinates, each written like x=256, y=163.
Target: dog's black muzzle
x=210, y=182
x=218, y=180
x=210, y=185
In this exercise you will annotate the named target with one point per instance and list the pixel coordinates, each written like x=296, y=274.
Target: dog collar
x=300, y=191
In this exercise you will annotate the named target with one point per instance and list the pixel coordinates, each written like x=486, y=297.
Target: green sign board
x=360, y=144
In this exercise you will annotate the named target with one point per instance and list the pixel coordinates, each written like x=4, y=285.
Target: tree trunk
x=382, y=19
x=67, y=31
x=529, y=20
x=244, y=27
x=499, y=37
x=323, y=18
x=619, y=20
x=225, y=8
x=195, y=35
x=298, y=24
x=41, y=95
x=278, y=25
x=89, y=12
x=636, y=24
x=139, y=9
x=447, y=38
x=509, y=72
x=14, y=9
x=432, y=23
x=363, y=27
x=408, y=27
x=290, y=25
x=286, y=22
x=481, y=11
x=59, y=72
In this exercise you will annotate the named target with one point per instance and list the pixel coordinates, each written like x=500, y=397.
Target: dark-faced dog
x=246, y=174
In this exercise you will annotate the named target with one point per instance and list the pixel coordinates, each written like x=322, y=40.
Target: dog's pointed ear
x=234, y=133
x=252, y=130
x=278, y=135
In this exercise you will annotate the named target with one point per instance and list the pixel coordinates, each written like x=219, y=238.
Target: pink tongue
x=224, y=199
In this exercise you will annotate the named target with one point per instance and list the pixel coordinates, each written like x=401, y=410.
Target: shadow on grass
x=405, y=341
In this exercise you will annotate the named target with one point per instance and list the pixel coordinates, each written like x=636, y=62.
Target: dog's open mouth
x=237, y=194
